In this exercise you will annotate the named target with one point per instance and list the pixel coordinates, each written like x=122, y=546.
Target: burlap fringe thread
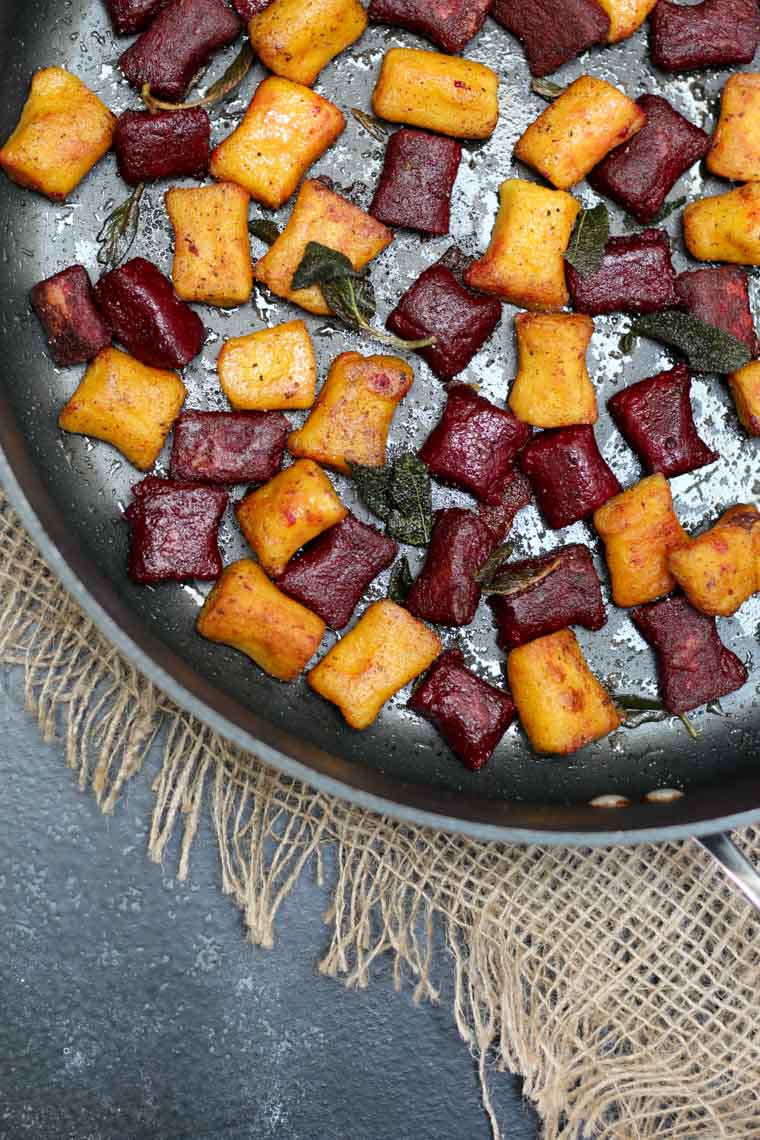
x=621, y=984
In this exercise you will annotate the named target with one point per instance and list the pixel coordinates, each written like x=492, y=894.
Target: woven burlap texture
x=622, y=984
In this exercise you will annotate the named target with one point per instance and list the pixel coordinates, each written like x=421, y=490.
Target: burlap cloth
x=621, y=984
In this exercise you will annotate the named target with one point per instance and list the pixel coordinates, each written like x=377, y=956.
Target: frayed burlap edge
x=621, y=984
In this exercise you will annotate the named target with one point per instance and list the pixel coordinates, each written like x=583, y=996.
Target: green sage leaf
x=546, y=89
x=232, y=78
x=371, y=125
x=119, y=230
x=348, y=292
x=588, y=239
x=667, y=209
x=401, y=580
x=514, y=580
x=706, y=348
x=399, y=493
x=352, y=300
x=411, y=517
x=320, y=265
x=265, y=230
x=494, y=561
x=373, y=487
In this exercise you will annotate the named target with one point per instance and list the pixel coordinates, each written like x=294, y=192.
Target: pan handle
x=736, y=865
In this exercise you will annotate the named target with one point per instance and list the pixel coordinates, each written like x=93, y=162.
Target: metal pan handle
x=737, y=866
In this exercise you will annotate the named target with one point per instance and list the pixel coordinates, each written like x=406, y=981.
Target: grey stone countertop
x=132, y=1008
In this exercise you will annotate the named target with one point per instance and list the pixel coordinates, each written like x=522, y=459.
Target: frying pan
x=70, y=491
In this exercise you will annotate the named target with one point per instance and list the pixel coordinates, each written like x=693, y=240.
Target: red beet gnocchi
x=75, y=329
x=656, y=419
x=177, y=44
x=474, y=445
x=569, y=476
x=640, y=174
x=446, y=592
x=720, y=296
x=564, y=591
x=695, y=666
x=415, y=186
x=131, y=16
x=517, y=493
x=450, y=24
x=552, y=32
x=228, y=447
x=174, y=531
x=147, y=316
x=471, y=715
x=247, y=9
x=636, y=275
x=712, y=34
x=334, y=570
x=439, y=305
x=166, y=144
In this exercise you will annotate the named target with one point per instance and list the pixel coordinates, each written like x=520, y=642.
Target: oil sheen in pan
x=91, y=483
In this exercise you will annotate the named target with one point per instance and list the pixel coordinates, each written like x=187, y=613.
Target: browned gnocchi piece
x=524, y=263
x=552, y=387
x=352, y=417
x=212, y=253
x=745, y=389
x=127, y=404
x=285, y=129
x=640, y=530
x=247, y=612
x=437, y=92
x=385, y=650
x=269, y=369
x=720, y=568
x=561, y=704
x=725, y=226
x=63, y=131
x=625, y=17
x=287, y=512
x=575, y=132
x=319, y=215
x=297, y=38
x=735, y=149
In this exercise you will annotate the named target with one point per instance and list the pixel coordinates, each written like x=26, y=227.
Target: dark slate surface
x=131, y=1008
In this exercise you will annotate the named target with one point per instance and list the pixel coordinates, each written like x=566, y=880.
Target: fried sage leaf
x=400, y=581
x=265, y=230
x=546, y=89
x=320, y=265
x=588, y=239
x=119, y=230
x=348, y=292
x=507, y=580
x=373, y=486
x=352, y=300
x=644, y=710
x=706, y=348
x=371, y=125
x=411, y=517
x=232, y=78
x=400, y=494
x=494, y=561
x=667, y=209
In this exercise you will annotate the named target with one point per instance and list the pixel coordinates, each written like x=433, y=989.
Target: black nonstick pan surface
x=71, y=491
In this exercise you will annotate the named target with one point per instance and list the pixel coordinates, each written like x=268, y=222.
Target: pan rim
x=95, y=594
